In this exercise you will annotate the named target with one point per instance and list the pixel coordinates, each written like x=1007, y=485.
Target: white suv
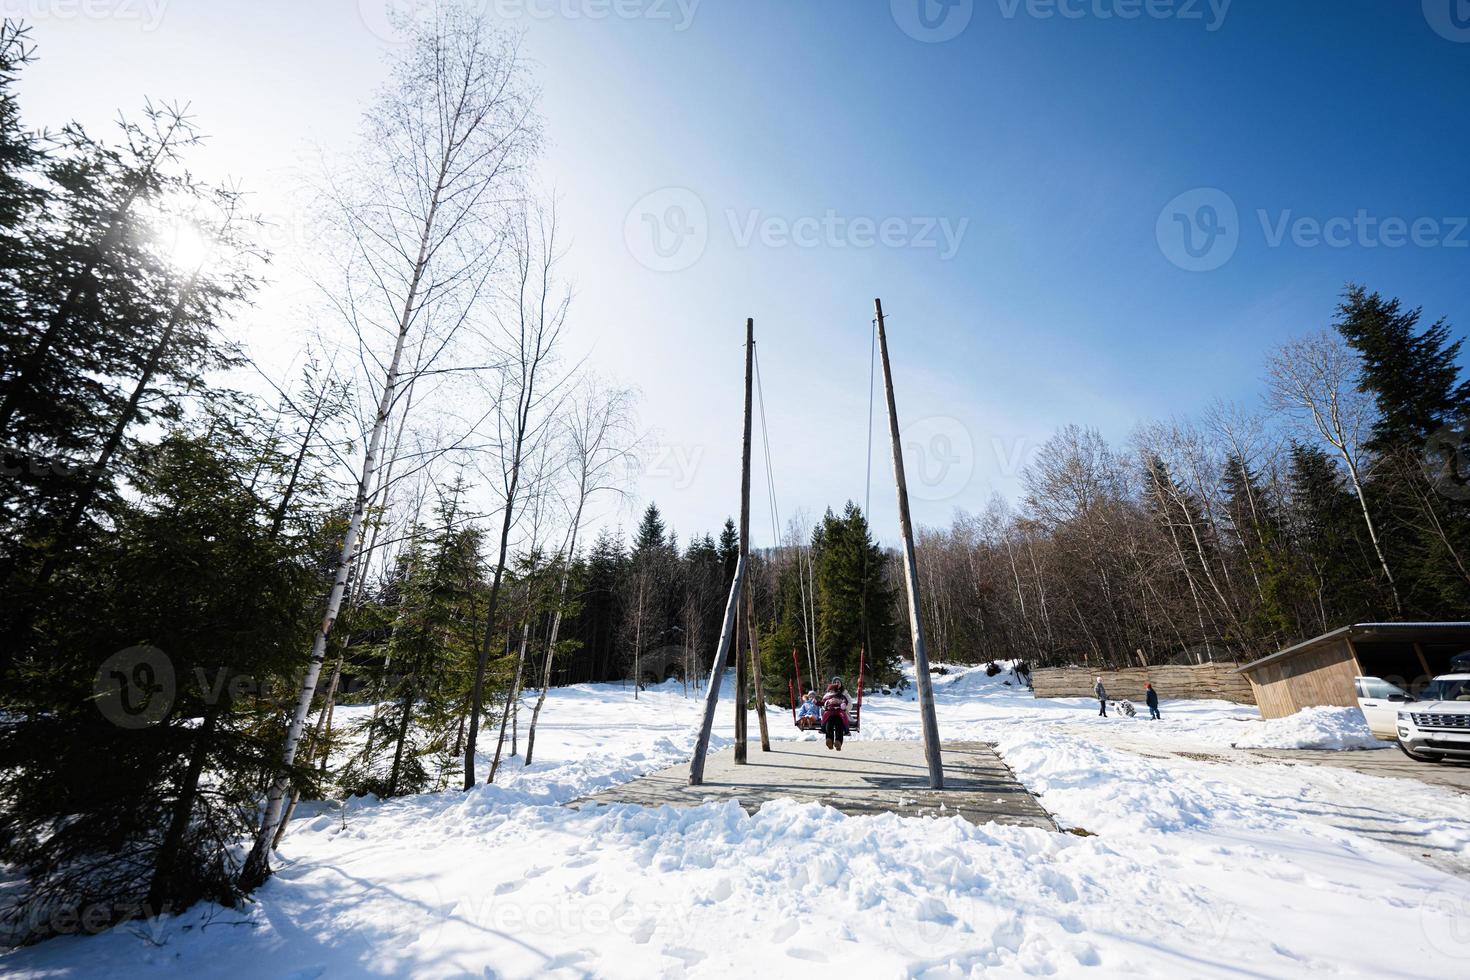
x=1438, y=723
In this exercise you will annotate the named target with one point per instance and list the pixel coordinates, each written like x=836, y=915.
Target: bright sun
x=187, y=247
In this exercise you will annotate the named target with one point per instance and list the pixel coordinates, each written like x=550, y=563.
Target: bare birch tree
x=597, y=428
x=418, y=221
x=528, y=338
x=1316, y=380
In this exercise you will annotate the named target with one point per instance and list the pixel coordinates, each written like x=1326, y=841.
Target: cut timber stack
x=1191, y=682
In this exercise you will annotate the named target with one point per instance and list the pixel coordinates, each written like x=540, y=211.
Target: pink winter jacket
x=834, y=702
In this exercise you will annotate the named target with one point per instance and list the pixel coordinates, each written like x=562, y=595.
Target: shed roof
x=1372, y=633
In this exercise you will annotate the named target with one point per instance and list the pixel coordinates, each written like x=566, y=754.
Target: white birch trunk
x=257, y=866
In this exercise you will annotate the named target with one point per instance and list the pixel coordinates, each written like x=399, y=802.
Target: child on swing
x=809, y=715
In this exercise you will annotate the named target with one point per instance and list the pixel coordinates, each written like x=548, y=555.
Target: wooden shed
x=1321, y=670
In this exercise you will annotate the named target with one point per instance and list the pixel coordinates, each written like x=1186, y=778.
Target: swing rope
x=766, y=453
x=868, y=492
x=776, y=513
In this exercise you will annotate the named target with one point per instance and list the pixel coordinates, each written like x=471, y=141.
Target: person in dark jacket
x=1152, y=697
x=834, y=714
x=1102, y=697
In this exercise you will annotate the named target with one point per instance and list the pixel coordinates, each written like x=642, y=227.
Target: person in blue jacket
x=1152, y=697
x=809, y=714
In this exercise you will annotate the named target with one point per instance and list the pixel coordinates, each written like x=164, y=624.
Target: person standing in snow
x=1152, y=697
x=834, y=714
x=1102, y=697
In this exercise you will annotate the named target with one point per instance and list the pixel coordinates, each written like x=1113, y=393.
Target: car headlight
x=1403, y=716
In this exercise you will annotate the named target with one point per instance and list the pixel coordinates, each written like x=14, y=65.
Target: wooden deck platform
x=864, y=779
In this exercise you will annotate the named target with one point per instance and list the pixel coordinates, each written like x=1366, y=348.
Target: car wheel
x=1416, y=757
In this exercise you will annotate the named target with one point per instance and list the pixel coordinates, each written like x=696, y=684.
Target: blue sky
x=1064, y=155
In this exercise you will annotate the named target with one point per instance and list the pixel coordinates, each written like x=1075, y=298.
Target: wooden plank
x=867, y=778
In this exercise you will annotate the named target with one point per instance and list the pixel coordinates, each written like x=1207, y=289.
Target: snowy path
x=1336, y=796
x=1200, y=869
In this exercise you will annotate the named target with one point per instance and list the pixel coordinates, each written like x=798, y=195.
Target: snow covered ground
x=1179, y=867
x=1314, y=728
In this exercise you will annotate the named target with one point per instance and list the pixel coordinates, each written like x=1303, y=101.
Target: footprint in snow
x=784, y=932
x=570, y=962
x=689, y=957
x=537, y=871
x=581, y=862
x=810, y=955
x=506, y=887
x=643, y=931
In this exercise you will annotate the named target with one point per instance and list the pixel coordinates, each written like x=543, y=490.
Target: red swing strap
x=791, y=693
x=857, y=710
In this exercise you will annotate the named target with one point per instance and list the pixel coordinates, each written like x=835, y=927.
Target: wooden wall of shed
x=1318, y=677
x=1191, y=682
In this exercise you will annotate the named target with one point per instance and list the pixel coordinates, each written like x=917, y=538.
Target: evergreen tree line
x=1229, y=537
x=650, y=610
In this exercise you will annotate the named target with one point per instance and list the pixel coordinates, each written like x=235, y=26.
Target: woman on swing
x=834, y=714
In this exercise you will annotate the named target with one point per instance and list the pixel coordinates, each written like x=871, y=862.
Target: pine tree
x=729, y=550
x=855, y=604
x=1414, y=377
x=651, y=532
x=1419, y=442
x=20, y=197
x=194, y=608
x=599, y=590
x=421, y=665
x=650, y=597
x=1333, y=581
x=114, y=337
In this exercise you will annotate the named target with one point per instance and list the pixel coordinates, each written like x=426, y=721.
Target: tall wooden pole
x=740, y=678
x=911, y=577
x=755, y=670
x=717, y=672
